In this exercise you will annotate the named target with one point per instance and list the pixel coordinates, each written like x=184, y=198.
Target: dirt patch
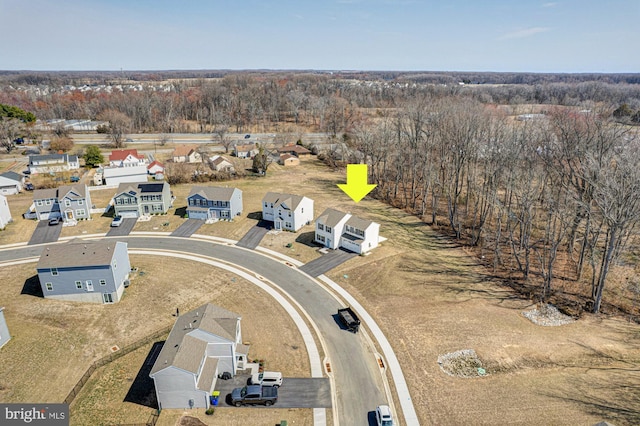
x=547, y=315
x=464, y=363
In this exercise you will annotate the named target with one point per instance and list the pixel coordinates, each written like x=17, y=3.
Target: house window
x=107, y=297
x=67, y=202
x=54, y=271
x=320, y=227
x=79, y=212
x=266, y=205
x=80, y=202
x=79, y=285
x=47, y=202
x=224, y=213
x=39, y=202
x=103, y=282
x=49, y=286
x=320, y=238
x=328, y=229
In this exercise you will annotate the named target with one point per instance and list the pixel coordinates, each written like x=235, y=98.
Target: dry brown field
x=430, y=298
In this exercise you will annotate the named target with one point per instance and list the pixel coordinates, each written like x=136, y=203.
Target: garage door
x=128, y=213
x=197, y=215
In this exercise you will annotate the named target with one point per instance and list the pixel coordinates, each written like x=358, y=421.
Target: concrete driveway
x=327, y=262
x=124, y=229
x=294, y=392
x=252, y=238
x=45, y=233
x=188, y=228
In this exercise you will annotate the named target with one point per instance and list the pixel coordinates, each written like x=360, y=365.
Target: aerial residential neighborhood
x=367, y=213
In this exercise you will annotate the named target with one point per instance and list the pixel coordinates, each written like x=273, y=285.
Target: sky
x=397, y=35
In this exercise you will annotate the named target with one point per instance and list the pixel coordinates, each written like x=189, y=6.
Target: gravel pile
x=463, y=363
x=548, y=316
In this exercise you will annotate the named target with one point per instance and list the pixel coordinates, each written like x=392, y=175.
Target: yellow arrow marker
x=356, y=187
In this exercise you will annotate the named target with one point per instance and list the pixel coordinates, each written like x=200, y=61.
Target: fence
x=112, y=357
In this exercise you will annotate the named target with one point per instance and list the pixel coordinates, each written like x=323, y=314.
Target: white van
x=267, y=378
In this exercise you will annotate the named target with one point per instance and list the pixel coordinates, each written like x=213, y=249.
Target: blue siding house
x=211, y=202
x=85, y=271
x=70, y=203
x=4, y=330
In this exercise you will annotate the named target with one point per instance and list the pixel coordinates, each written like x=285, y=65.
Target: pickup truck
x=349, y=319
x=254, y=394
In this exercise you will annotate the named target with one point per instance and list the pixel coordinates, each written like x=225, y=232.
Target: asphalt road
x=357, y=374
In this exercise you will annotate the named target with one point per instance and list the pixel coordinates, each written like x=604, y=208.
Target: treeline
x=313, y=101
x=551, y=199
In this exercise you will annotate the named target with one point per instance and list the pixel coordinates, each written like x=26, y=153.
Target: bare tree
x=119, y=125
x=10, y=129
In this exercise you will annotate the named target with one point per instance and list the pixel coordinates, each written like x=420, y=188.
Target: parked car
x=383, y=416
x=254, y=394
x=54, y=221
x=129, y=140
x=247, y=136
x=267, y=378
x=29, y=187
x=74, y=178
x=117, y=221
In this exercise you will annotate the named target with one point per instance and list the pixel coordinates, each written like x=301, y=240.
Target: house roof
x=61, y=192
x=359, y=223
x=284, y=157
x=13, y=176
x=183, y=150
x=208, y=374
x=155, y=163
x=245, y=148
x=298, y=149
x=213, y=192
x=122, y=154
x=290, y=201
x=141, y=187
x=78, y=253
x=110, y=172
x=63, y=157
x=209, y=318
x=331, y=217
x=220, y=160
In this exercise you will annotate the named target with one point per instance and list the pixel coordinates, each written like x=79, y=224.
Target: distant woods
x=538, y=174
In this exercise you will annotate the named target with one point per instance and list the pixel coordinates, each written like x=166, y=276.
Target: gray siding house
x=137, y=199
x=4, y=330
x=71, y=203
x=53, y=163
x=85, y=271
x=202, y=343
x=211, y=202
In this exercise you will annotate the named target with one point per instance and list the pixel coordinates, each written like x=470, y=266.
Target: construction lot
x=429, y=297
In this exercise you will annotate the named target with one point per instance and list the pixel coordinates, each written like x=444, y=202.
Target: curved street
x=357, y=376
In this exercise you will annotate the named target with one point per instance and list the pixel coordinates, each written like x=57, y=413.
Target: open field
x=429, y=297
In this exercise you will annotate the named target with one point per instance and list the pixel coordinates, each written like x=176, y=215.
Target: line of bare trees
x=526, y=193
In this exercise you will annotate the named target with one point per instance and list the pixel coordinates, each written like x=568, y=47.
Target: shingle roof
x=79, y=253
x=208, y=374
x=208, y=318
x=214, y=193
x=359, y=223
x=331, y=217
x=12, y=175
x=122, y=154
x=298, y=149
x=219, y=160
x=141, y=187
x=190, y=353
x=245, y=147
x=61, y=192
x=183, y=150
x=290, y=201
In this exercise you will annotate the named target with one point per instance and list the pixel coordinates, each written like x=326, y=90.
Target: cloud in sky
x=527, y=32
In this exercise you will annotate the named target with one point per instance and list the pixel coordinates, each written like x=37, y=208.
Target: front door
x=69, y=214
x=146, y=209
x=89, y=285
x=277, y=224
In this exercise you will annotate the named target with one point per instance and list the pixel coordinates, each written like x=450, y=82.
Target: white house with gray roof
x=53, y=163
x=287, y=212
x=203, y=343
x=71, y=203
x=137, y=199
x=85, y=271
x=11, y=183
x=336, y=229
x=213, y=202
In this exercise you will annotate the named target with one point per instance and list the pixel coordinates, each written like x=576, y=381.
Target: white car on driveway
x=267, y=378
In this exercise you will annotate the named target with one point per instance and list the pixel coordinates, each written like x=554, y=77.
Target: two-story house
x=85, y=271
x=287, y=212
x=211, y=202
x=336, y=229
x=202, y=343
x=53, y=163
x=71, y=203
x=137, y=199
x=126, y=158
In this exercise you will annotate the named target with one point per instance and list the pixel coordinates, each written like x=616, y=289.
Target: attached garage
x=128, y=213
x=198, y=213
